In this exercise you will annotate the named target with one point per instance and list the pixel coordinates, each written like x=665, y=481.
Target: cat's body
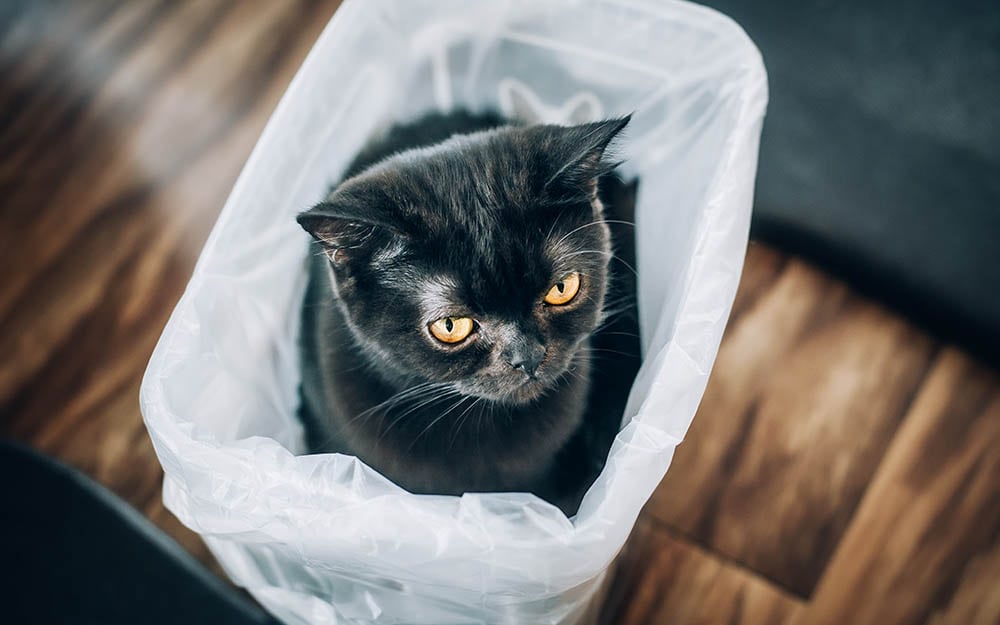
x=531, y=399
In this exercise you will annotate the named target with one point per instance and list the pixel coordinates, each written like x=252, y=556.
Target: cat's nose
x=526, y=356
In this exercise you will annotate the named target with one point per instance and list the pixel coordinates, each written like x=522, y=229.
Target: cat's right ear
x=581, y=156
x=342, y=236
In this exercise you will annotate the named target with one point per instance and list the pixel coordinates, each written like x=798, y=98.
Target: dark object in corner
x=880, y=157
x=75, y=553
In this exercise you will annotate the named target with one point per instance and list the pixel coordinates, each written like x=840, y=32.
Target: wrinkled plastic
x=326, y=539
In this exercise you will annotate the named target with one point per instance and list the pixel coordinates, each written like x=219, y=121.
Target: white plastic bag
x=326, y=539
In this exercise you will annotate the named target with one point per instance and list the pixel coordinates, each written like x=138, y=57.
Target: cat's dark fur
x=480, y=224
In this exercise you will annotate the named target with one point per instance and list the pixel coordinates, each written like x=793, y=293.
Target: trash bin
x=326, y=539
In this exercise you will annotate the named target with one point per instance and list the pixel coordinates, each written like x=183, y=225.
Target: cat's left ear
x=583, y=160
x=344, y=234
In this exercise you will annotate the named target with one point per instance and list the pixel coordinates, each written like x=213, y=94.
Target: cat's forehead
x=504, y=276
x=494, y=173
x=477, y=221
x=485, y=276
x=438, y=293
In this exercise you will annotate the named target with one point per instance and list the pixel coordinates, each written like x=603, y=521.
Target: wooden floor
x=844, y=466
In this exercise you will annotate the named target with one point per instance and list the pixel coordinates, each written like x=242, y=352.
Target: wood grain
x=667, y=579
x=809, y=386
x=924, y=545
x=843, y=467
x=124, y=126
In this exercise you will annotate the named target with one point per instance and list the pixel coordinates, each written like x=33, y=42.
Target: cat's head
x=481, y=261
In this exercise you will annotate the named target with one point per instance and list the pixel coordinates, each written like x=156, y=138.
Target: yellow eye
x=564, y=291
x=451, y=329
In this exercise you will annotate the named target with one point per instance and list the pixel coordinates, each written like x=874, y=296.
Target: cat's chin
x=517, y=393
x=529, y=391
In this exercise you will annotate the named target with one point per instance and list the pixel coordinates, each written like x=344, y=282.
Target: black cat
x=459, y=330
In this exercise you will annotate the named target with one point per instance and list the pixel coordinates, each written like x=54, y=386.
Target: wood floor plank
x=762, y=267
x=809, y=386
x=673, y=581
x=976, y=599
x=132, y=123
x=925, y=544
